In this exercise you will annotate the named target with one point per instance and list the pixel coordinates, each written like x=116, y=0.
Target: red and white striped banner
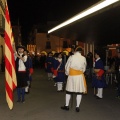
x=10, y=75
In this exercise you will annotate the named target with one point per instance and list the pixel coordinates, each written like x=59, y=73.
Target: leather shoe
x=65, y=108
x=77, y=109
x=18, y=100
x=98, y=98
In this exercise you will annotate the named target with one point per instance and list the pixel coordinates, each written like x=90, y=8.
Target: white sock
x=68, y=96
x=101, y=92
x=60, y=84
x=28, y=82
x=26, y=89
x=78, y=99
x=98, y=92
x=58, y=87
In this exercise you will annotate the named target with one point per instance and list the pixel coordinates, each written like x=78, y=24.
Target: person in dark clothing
x=21, y=73
x=29, y=70
x=48, y=65
x=98, y=80
x=55, y=57
x=117, y=69
x=42, y=60
x=89, y=59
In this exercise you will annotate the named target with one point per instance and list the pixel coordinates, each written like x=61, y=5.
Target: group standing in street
x=67, y=72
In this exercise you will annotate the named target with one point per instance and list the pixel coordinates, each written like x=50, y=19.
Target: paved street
x=44, y=102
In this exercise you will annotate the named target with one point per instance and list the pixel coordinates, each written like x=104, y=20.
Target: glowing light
x=85, y=13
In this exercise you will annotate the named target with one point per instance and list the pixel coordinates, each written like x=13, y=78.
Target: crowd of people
x=67, y=71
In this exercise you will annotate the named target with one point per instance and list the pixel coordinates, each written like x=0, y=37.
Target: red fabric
x=55, y=72
x=100, y=73
x=45, y=65
x=52, y=69
x=31, y=70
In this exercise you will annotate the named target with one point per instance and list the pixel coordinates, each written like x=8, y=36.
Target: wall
x=1, y=37
x=56, y=43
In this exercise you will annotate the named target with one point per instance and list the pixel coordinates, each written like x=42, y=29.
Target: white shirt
x=77, y=62
x=21, y=63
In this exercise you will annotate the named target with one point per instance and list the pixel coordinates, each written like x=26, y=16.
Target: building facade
x=49, y=43
x=2, y=27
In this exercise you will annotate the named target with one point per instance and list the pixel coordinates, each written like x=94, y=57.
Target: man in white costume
x=76, y=83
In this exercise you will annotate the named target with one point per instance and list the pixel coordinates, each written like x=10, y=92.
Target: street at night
x=44, y=102
x=59, y=59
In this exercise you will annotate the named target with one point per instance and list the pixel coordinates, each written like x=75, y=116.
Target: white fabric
x=21, y=63
x=59, y=86
x=78, y=99
x=97, y=59
x=28, y=82
x=75, y=83
x=50, y=75
x=100, y=92
x=26, y=89
x=68, y=96
x=77, y=62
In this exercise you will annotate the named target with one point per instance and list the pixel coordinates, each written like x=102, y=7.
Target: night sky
x=32, y=12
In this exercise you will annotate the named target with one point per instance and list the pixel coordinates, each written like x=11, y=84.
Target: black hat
x=97, y=52
x=50, y=53
x=26, y=50
x=89, y=54
x=78, y=48
x=20, y=46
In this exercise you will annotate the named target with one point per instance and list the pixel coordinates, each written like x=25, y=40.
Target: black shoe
x=118, y=97
x=27, y=92
x=77, y=109
x=98, y=98
x=61, y=91
x=95, y=96
x=65, y=108
x=23, y=101
x=18, y=100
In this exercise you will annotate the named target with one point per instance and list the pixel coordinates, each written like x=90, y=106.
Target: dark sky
x=35, y=11
x=103, y=27
x=30, y=12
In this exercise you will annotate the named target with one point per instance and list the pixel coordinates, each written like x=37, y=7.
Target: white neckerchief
x=20, y=54
x=59, y=59
x=97, y=59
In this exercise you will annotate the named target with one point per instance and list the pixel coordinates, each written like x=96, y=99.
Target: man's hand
x=13, y=45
